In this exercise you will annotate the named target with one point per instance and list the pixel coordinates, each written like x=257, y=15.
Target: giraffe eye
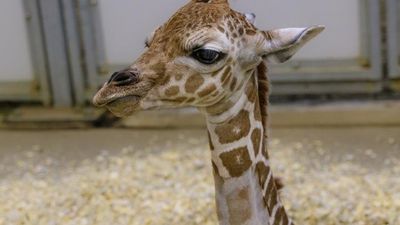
x=207, y=56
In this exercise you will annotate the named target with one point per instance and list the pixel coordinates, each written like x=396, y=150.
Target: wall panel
x=348, y=51
x=15, y=63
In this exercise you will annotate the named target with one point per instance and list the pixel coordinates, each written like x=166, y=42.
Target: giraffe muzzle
x=121, y=84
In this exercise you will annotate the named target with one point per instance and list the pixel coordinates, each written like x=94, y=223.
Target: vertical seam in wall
x=45, y=53
x=65, y=44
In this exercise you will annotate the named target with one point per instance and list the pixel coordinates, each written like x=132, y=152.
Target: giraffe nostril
x=123, y=78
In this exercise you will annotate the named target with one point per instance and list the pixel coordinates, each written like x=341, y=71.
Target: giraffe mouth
x=123, y=106
x=111, y=95
x=101, y=102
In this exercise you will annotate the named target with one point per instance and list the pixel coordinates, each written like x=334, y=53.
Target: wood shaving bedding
x=175, y=186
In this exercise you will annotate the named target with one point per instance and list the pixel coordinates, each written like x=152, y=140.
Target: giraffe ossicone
x=211, y=57
x=251, y=17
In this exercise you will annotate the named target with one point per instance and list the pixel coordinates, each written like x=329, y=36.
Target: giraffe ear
x=281, y=44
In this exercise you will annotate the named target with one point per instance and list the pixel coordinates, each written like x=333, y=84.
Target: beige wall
x=127, y=22
x=341, y=18
x=15, y=61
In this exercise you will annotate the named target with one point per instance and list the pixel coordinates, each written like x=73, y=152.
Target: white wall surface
x=15, y=63
x=126, y=23
x=341, y=18
x=398, y=30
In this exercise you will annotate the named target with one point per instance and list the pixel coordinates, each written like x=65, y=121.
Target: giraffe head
x=204, y=54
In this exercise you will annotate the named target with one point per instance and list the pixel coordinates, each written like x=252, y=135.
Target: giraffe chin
x=124, y=106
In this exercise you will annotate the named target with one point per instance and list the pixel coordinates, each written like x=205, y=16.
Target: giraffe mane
x=263, y=95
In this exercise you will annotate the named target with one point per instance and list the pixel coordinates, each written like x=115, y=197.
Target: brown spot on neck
x=256, y=140
x=234, y=129
x=279, y=216
x=273, y=200
x=262, y=171
x=220, y=107
x=236, y=161
x=257, y=112
x=239, y=206
x=265, y=151
x=251, y=92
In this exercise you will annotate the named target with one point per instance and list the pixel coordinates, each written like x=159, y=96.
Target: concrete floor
x=371, y=147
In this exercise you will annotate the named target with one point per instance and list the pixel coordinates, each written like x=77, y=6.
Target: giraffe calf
x=213, y=58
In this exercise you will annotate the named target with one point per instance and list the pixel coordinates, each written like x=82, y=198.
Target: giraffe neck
x=245, y=189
